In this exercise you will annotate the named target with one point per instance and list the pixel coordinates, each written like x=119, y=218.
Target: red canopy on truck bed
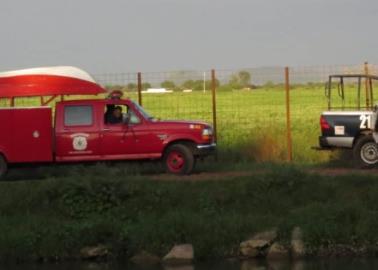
x=48, y=81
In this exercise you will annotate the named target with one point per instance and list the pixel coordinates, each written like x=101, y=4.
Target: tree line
x=239, y=80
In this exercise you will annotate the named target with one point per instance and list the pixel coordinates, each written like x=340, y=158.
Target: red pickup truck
x=98, y=130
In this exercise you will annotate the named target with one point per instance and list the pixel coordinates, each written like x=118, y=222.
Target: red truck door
x=123, y=140
x=118, y=141
x=77, y=132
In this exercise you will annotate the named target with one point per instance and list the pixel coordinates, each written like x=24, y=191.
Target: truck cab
x=111, y=128
x=351, y=119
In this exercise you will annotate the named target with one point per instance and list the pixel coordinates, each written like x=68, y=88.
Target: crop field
x=251, y=123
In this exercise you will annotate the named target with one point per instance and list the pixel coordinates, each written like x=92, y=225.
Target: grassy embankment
x=70, y=207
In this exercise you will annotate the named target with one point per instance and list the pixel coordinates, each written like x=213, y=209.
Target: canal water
x=318, y=264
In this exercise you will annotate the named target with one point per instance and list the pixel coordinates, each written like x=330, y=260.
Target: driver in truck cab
x=114, y=115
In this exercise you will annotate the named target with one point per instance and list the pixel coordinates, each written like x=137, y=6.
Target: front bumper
x=205, y=149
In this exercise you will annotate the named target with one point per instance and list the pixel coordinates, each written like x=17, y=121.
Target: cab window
x=133, y=118
x=118, y=114
x=78, y=115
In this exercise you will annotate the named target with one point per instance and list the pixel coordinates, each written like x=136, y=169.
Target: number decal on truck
x=365, y=121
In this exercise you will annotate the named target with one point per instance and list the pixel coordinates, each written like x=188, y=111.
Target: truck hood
x=190, y=122
x=180, y=123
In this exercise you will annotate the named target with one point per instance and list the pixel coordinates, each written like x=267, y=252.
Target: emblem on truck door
x=79, y=141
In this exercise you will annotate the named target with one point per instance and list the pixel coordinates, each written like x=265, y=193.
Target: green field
x=251, y=123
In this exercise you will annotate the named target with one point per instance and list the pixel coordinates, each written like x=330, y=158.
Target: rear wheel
x=179, y=159
x=365, y=152
x=3, y=166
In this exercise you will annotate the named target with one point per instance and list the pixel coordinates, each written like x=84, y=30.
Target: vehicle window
x=133, y=118
x=118, y=114
x=78, y=115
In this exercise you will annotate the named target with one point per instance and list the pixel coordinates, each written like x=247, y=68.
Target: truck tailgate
x=347, y=124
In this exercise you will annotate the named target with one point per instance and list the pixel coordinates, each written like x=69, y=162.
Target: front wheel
x=365, y=151
x=3, y=166
x=179, y=159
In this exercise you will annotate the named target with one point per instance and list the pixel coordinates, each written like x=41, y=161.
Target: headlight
x=207, y=131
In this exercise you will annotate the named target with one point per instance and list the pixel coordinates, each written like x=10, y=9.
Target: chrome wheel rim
x=369, y=153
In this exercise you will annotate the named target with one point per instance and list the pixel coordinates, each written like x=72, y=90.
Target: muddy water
x=329, y=264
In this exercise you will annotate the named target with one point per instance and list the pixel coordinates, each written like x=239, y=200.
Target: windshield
x=143, y=111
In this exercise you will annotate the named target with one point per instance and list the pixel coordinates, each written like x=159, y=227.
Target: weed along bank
x=106, y=212
x=90, y=129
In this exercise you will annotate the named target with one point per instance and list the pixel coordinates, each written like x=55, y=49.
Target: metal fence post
x=214, y=103
x=288, y=116
x=366, y=69
x=140, y=88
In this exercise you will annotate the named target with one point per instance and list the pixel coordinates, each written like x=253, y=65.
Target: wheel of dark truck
x=3, y=166
x=179, y=159
x=365, y=152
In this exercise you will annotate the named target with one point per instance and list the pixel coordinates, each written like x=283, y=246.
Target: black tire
x=365, y=152
x=3, y=167
x=179, y=159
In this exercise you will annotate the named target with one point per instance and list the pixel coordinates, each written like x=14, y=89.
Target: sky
x=160, y=35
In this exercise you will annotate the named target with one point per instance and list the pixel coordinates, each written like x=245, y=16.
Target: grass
x=252, y=124
x=70, y=207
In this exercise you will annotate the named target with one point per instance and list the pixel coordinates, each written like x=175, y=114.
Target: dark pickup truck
x=353, y=127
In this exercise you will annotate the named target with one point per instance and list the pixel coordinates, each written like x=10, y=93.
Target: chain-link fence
x=249, y=105
x=251, y=113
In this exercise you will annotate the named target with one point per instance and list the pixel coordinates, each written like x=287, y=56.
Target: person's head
x=117, y=112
